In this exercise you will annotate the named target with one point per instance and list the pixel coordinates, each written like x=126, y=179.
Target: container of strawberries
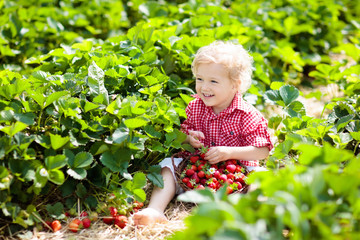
x=196, y=173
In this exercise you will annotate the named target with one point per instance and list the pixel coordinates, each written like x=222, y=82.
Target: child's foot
x=148, y=216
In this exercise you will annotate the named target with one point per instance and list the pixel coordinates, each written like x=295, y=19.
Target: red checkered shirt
x=241, y=124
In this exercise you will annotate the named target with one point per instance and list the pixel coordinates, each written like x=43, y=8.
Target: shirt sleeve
x=256, y=132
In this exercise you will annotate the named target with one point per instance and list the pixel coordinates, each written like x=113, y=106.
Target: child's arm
x=248, y=153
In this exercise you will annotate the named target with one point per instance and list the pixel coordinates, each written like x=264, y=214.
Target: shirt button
x=212, y=143
x=231, y=133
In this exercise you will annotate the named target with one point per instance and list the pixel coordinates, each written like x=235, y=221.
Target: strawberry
x=108, y=220
x=193, y=159
x=231, y=168
x=229, y=181
x=200, y=187
x=83, y=214
x=238, y=168
x=229, y=190
x=212, y=185
x=194, y=167
x=238, y=185
x=86, y=222
x=217, y=174
x=75, y=225
x=223, y=178
x=230, y=176
x=190, y=172
x=201, y=174
x=121, y=221
x=189, y=185
x=185, y=180
x=203, y=181
x=195, y=177
x=200, y=167
x=113, y=211
x=56, y=225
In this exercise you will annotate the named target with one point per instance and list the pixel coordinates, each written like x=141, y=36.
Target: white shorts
x=168, y=163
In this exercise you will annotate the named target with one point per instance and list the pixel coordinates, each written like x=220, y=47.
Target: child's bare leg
x=160, y=198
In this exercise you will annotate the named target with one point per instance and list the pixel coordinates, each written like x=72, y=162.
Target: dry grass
x=175, y=212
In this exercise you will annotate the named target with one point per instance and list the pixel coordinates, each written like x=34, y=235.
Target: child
x=219, y=118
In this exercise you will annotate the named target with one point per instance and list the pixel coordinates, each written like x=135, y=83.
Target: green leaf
x=56, y=211
x=136, y=122
x=77, y=173
x=96, y=84
x=288, y=94
x=81, y=191
x=54, y=162
x=117, y=162
x=14, y=128
x=155, y=176
x=56, y=176
x=120, y=135
x=83, y=46
x=139, y=180
x=82, y=160
x=53, y=97
x=197, y=196
x=151, y=132
x=139, y=194
x=58, y=141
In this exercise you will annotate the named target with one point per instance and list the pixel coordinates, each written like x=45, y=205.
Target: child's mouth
x=208, y=95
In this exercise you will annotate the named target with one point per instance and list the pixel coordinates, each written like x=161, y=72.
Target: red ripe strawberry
x=75, y=225
x=203, y=181
x=230, y=176
x=108, y=220
x=202, y=155
x=189, y=185
x=229, y=181
x=83, y=214
x=200, y=187
x=194, y=167
x=229, y=190
x=193, y=159
x=238, y=185
x=113, y=211
x=185, y=180
x=195, y=177
x=200, y=167
x=190, y=172
x=231, y=168
x=238, y=168
x=121, y=221
x=223, y=178
x=208, y=176
x=217, y=174
x=201, y=174
x=212, y=185
x=56, y=225
x=86, y=222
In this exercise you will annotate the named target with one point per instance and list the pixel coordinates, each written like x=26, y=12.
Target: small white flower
x=43, y=172
x=212, y=170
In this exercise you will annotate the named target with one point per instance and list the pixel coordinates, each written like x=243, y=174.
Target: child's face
x=214, y=86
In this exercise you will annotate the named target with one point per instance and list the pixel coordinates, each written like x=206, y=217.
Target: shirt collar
x=237, y=103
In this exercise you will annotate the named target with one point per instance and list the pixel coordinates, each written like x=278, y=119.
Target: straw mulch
x=175, y=213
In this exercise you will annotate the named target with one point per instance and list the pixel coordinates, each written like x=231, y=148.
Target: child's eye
x=198, y=79
x=213, y=81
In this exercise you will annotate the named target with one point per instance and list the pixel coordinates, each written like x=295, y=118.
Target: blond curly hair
x=232, y=56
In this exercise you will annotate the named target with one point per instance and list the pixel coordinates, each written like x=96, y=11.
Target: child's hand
x=217, y=154
x=194, y=138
